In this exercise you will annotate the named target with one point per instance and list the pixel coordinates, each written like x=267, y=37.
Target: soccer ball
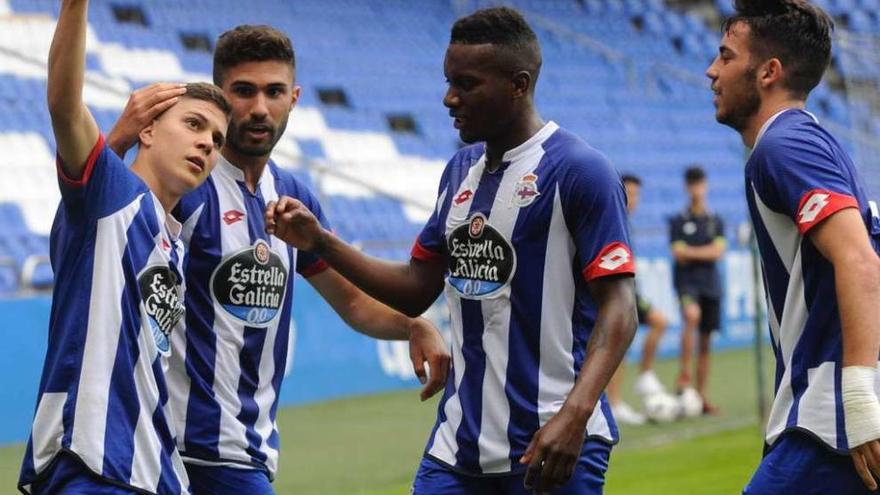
x=661, y=407
x=691, y=403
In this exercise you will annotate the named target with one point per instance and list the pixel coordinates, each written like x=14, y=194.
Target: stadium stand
x=370, y=132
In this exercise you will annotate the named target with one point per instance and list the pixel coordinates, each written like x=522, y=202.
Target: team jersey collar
x=173, y=227
x=170, y=224
x=773, y=119
x=537, y=139
x=226, y=167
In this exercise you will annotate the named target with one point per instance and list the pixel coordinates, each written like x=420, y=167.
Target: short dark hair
x=507, y=29
x=631, y=178
x=694, y=174
x=208, y=92
x=250, y=43
x=794, y=31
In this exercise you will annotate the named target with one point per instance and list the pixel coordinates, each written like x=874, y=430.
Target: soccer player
x=696, y=236
x=529, y=243
x=101, y=424
x=647, y=383
x=227, y=368
x=818, y=239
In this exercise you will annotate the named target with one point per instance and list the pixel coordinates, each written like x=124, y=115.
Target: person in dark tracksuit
x=697, y=242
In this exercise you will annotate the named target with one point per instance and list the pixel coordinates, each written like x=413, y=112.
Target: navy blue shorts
x=800, y=464
x=223, y=480
x=69, y=476
x=434, y=478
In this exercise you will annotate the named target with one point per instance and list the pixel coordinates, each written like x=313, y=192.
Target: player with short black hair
x=230, y=362
x=694, y=174
x=818, y=237
x=102, y=423
x=696, y=236
x=529, y=243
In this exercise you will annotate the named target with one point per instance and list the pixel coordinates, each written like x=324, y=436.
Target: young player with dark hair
x=102, y=425
x=228, y=366
x=818, y=239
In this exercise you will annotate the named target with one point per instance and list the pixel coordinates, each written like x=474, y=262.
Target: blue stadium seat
x=387, y=56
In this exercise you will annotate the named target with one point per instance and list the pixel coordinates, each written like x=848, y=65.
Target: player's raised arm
x=409, y=288
x=75, y=129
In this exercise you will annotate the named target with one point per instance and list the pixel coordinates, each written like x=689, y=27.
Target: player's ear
x=522, y=83
x=770, y=73
x=294, y=96
x=147, y=134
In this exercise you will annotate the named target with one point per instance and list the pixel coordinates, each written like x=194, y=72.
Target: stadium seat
x=601, y=79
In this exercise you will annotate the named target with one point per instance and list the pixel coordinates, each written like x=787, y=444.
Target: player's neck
x=251, y=166
x=167, y=198
x=698, y=207
x=768, y=109
x=519, y=132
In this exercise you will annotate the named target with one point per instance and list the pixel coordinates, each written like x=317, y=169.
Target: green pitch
x=372, y=445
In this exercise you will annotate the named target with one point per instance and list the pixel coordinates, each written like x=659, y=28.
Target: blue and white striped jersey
x=226, y=369
x=521, y=243
x=116, y=299
x=797, y=176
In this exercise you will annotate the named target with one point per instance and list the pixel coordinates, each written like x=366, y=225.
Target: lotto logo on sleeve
x=812, y=207
x=818, y=205
x=614, y=259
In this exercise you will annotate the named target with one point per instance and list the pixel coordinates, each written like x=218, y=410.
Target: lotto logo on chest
x=481, y=261
x=250, y=284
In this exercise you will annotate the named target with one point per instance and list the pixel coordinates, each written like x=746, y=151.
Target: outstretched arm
x=372, y=318
x=75, y=129
x=843, y=240
x=407, y=287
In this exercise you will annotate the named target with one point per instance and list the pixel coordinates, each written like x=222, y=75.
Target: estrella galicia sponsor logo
x=250, y=284
x=160, y=293
x=481, y=261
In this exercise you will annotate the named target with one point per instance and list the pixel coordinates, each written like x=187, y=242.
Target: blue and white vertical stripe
x=797, y=176
x=103, y=395
x=225, y=373
x=518, y=350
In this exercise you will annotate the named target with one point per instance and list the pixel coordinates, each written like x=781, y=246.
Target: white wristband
x=861, y=409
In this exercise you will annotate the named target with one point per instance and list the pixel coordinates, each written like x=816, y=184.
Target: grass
x=372, y=445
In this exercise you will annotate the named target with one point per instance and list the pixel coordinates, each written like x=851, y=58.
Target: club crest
x=525, y=192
